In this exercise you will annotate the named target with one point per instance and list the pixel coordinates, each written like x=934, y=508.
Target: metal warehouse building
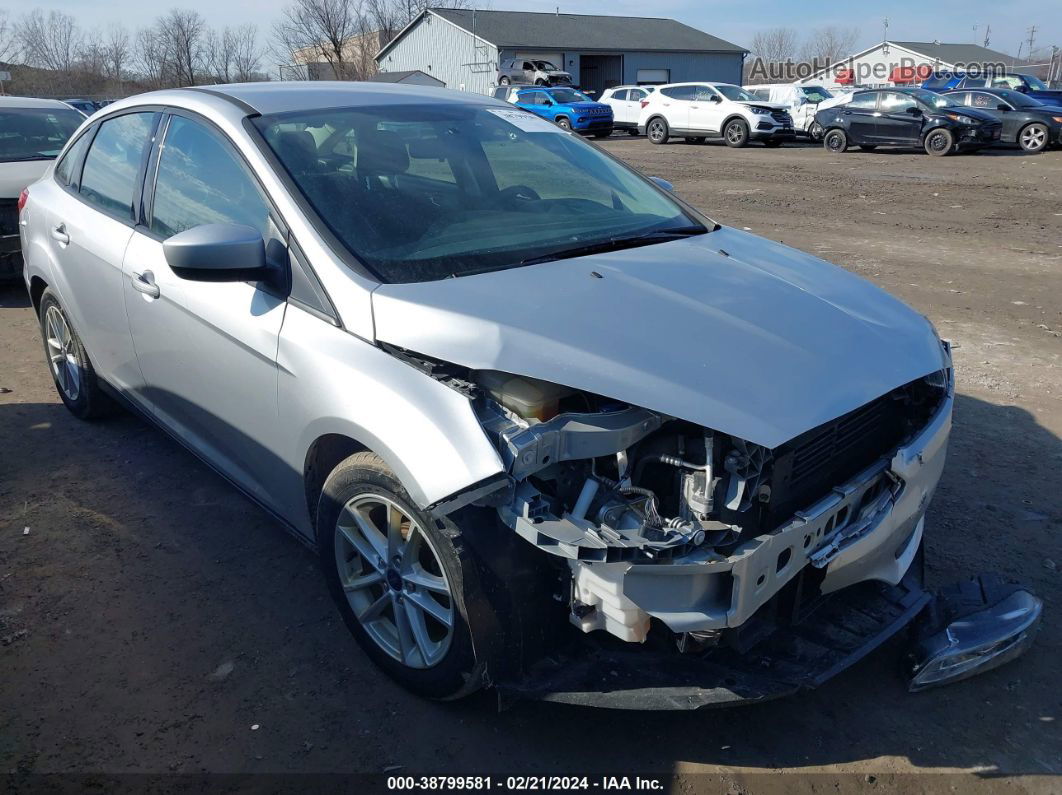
x=464, y=47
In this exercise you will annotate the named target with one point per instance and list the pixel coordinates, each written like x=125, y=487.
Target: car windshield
x=932, y=99
x=567, y=95
x=430, y=191
x=816, y=94
x=545, y=66
x=736, y=93
x=35, y=133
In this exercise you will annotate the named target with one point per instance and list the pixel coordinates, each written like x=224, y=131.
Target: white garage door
x=653, y=76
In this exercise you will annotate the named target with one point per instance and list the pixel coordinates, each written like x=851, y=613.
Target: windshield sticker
x=521, y=119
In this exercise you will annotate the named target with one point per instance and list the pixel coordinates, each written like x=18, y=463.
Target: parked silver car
x=532, y=72
x=516, y=395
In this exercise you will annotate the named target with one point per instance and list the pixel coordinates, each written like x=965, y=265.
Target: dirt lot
x=154, y=621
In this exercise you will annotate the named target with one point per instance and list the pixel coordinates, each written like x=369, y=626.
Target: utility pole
x=988, y=30
x=1032, y=38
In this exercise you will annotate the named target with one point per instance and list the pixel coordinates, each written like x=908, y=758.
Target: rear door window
x=110, y=178
x=864, y=101
x=981, y=100
x=621, y=95
x=684, y=93
x=64, y=170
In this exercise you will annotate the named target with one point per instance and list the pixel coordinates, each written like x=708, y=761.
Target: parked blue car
x=1029, y=85
x=568, y=108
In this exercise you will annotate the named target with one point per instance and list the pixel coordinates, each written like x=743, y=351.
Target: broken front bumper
x=868, y=529
x=838, y=631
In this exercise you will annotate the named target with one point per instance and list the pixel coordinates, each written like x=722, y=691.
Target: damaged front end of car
x=699, y=568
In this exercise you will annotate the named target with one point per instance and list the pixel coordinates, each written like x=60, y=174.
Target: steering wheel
x=516, y=194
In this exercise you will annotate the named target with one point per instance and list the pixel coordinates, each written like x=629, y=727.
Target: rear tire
x=835, y=141
x=400, y=579
x=939, y=143
x=1033, y=138
x=69, y=363
x=658, y=131
x=504, y=81
x=736, y=133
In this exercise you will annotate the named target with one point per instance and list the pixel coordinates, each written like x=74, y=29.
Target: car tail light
x=22, y=198
x=645, y=103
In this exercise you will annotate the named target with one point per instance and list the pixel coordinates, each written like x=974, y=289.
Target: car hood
x=756, y=103
x=726, y=330
x=18, y=174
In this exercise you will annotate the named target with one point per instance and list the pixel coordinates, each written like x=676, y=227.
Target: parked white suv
x=802, y=101
x=626, y=104
x=696, y=111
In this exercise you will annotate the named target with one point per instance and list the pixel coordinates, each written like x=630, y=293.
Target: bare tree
x=8, y=38
x=180, y=37
x=775, y=45
x=116, y=53
x=220, y=53
x=246, y=53
x=49, y=41
x=317, y=31
x=831, y=42
x=147, y=58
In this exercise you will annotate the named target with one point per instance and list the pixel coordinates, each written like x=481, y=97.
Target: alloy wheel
x=656, y=131
x=1033, y=138
x=62, y=355
x=394, y=581
x=733, y=133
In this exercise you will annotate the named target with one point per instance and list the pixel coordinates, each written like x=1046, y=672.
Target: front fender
x=331, y=382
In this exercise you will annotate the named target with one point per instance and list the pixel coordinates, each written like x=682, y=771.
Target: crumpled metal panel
x=727, y=330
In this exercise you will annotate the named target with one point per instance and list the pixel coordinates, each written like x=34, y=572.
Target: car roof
x=32, y=102
x=270, y=97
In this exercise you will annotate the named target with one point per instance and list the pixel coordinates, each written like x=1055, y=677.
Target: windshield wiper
x=620, y=242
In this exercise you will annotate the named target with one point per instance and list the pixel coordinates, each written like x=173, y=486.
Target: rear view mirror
x=217, y=253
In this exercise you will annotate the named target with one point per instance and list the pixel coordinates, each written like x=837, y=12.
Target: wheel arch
x=731, y=117
x=36, y=290
x=324, y=454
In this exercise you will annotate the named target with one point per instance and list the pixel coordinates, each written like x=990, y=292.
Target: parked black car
x=910, y=117
x=1030, y=124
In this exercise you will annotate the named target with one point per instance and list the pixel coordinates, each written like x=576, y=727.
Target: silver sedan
x=523, y=401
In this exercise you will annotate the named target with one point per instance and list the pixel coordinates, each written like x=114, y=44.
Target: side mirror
x=714, y=98
x=915, y=111
x=217, y=253
x=1001, y=106
x=663, y=183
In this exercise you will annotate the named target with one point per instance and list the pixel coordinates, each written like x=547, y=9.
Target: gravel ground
x=154, y=621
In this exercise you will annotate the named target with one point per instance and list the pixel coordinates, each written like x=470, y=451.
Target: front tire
x=72, y=371
x=564, y=123
x=835, y=141
x=1033, y=138
x=736, y=133
x=939, y=143
x=658, y=131
x=399, y=578
x=504, y=81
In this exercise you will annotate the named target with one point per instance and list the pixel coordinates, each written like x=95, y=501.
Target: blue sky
x=946, y=20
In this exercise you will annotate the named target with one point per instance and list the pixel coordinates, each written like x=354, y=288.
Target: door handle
x=145, y=283
x=59, y=234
